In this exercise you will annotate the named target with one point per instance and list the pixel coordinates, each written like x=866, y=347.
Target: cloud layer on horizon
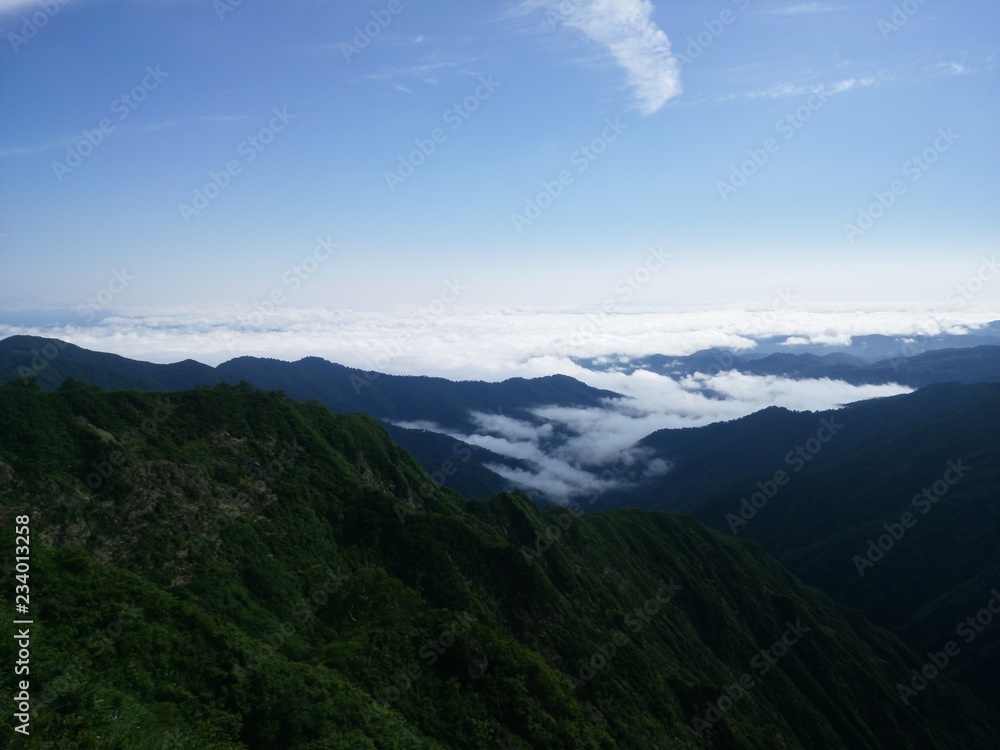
x=567, y=448
x=465, y=343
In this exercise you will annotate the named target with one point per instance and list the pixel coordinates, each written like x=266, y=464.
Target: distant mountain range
x=341, y=389
x=967, y=365
x=875, y=347
x=345, y=390
x=444, y=404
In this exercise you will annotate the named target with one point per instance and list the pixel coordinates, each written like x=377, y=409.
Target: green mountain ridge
x=341, y=389
x=227, y=568
x=837, y=520
x=389, y=398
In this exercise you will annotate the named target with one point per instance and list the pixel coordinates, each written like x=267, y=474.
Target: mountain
x=453, y=463
x=225, y=568
x=339, y=388
x=878, y=347
x=388, y=398
x=50, y=361
x=874, y=347
x=826, y=494
x=966, y=365
x=417, y=409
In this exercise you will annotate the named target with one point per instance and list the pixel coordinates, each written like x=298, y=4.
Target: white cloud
x=498, y=424
x=427, y=71
x=467, y=343
x=822, y=339
x=626, y=30
x=70, y=140
x=805, y=9
x=594, y=449
x=9, y=6
x=39, y=148
x=801, y=89
x=954, y=68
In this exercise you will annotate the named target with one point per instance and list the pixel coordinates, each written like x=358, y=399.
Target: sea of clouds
x=566, y=449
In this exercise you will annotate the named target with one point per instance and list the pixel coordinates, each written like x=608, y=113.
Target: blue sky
x=638, y=114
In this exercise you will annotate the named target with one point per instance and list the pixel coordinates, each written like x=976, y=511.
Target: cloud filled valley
x=563, y=453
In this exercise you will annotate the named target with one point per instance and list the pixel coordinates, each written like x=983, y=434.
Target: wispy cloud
x=69, y=140
x=802, y=9
x=428, y=70
x=39, y=148
x=626, y=30
x=801, y=89
x=954, y=68
x=165, y=124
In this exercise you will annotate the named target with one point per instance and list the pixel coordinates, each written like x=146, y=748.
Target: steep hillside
x=826, y=494
x=226, y=568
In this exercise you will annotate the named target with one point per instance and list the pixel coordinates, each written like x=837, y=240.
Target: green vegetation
x=226, y=568
x=836, y=522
